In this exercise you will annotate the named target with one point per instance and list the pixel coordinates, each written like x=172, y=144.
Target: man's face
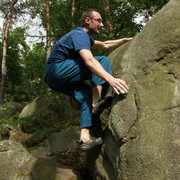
x=95, y=23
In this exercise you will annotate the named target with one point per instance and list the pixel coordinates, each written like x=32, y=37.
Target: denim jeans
x=69, y=77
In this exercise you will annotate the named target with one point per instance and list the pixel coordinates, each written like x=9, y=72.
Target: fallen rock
x=41, y=152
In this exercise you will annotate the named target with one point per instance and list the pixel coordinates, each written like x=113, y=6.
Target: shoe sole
x=90, y=146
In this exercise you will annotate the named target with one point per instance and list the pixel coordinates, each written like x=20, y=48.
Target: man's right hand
x=119, y=86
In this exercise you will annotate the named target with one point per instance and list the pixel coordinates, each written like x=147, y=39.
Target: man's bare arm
x=96, y=68
x=105, y=45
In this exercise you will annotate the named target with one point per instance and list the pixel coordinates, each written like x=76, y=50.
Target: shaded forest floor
x=69, y=162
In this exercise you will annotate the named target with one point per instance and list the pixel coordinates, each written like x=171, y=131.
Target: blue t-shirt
x=68, y=46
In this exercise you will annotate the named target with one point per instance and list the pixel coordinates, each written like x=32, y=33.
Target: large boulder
x=57, y=106
x=142, y=139
x=15, y=161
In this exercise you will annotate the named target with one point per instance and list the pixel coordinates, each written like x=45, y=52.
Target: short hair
x=88, y=13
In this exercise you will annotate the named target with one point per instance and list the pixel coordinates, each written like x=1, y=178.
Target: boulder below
x=16, y=162
x=65, y=140
x=57, y=106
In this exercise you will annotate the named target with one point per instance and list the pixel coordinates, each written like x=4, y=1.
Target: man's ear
x=87, y=20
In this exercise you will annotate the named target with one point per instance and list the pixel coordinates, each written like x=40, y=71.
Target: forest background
x=23, y=66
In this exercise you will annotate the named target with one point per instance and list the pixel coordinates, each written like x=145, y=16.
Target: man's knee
x=103, y=60
x=83, y=94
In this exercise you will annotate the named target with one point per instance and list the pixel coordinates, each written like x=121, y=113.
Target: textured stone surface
x=41, y=152
x=63, y=141
x=50, y=169
x=15, y=161
x=142, y=140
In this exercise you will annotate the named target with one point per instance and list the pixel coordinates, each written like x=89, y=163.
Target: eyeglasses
x=97, y=19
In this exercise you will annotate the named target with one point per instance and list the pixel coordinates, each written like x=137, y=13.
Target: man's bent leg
x=98, y=85
x=106, y=64
x=96, y=94
x=84, y=135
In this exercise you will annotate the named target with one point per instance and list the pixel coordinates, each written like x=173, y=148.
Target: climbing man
x=71, y=63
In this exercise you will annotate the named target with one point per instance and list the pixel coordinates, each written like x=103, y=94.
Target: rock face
x=142, y=140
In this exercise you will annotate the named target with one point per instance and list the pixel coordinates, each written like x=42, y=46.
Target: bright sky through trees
x=34, y=32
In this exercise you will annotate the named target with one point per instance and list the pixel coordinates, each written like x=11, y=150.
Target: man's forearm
x=109, y=44
x=95, y=67
x=114, y=43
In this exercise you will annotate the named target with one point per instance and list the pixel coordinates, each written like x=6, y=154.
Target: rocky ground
x=40, y=162
x=67, y=165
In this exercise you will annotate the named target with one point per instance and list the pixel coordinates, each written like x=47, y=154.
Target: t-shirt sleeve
x=92, y=41
x=82, y=41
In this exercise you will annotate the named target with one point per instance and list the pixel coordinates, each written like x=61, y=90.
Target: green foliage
x=60, y=19
x=33, y=72
x=8, y=117
x=38, y=125
x=17, y=47
x=25, y=77
x=33, y=123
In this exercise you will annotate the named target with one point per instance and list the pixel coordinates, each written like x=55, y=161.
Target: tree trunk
x=48, y=32
x=73, y=11
x=5, y=34
x=108, y=10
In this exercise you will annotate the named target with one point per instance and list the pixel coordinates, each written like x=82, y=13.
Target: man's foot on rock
x=101, y=105
x=91, y=143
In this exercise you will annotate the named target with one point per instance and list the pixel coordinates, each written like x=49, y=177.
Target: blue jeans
x=69, y=77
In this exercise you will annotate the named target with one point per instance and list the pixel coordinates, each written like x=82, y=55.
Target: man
x=71, y=63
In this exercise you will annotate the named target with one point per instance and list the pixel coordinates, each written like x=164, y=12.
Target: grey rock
x=15, y=160
x=63, y=141
x=50, y=169
x=41, y=152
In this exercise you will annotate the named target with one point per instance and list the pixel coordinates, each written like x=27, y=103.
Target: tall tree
x=73, y=12
x=48, y=31
x=5, y=34
x=16, y=51
x=108, y=10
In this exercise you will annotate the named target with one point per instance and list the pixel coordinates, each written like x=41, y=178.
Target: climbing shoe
x=91, y=143
x=101, y=105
